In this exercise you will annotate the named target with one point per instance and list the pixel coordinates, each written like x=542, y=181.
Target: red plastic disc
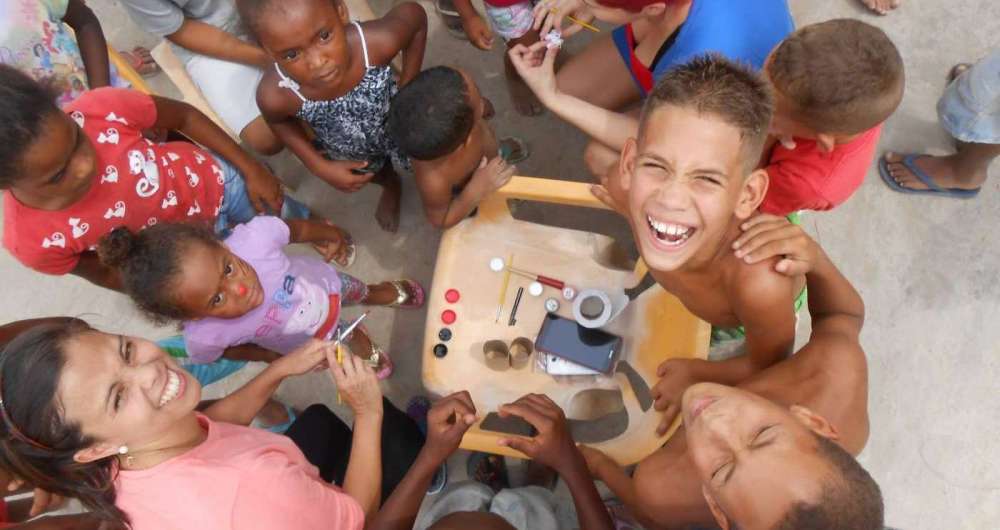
x=448, y=316
x=452, y=295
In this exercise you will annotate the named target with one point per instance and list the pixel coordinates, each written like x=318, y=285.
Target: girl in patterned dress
x=333, y=75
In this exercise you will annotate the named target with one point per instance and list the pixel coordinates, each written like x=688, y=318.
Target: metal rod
x=513, y=310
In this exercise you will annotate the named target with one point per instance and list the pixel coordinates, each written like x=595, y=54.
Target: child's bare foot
x=387, y=211
x=400, y=293
x=882, y=7
x=941, y=169
x=362, y=345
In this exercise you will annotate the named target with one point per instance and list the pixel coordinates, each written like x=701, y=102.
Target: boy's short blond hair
x=841, y=76
x=716, y=86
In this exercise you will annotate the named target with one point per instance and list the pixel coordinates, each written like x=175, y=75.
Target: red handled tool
x=544, y=280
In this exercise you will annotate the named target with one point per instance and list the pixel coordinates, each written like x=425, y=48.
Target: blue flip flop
x=932, y=188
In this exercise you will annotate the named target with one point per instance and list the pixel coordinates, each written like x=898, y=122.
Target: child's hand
x=478, y=32
x=596, y=460
x=491, y=176
x=549, y=15
x=334, y=244
x=356, y=383
x=447, y=422
x=765, y=236
x=536, y=66
x=264, y=189
x=339, y=174
x=305, y=358
x=675, y=378
x=553, y=445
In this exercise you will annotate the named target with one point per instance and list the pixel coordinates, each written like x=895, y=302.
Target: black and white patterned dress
x=352, y=127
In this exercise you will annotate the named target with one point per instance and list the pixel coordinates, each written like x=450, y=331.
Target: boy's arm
x=91, y=269
x=206, y=39
x=241, y=406
x=608, y=127
x=90, y=39
x=442, y=209
x=447, y=422
x=403, y=28
x=835, y=307
x=553, y=446
x=765, y=305
x=250, y=352
x=277, y=108
x=476, y=29
x=263, y=188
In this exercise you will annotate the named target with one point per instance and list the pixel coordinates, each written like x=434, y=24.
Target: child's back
x=334, y=75
x=690, y=183
x=835, y=83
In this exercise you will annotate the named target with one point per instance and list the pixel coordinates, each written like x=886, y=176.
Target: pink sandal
x=410, y=294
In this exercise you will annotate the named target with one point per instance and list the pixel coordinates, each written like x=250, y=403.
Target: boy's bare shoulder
x=757, y=285
x=275, y=102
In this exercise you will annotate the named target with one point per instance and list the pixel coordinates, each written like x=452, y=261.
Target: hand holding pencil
x=356, y=381
x=549, y=15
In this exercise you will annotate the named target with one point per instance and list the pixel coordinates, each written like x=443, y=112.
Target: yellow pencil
x=578, y=22
x=340, y=360
x=503, y=288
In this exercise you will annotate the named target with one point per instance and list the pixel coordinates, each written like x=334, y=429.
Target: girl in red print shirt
x=70, y=177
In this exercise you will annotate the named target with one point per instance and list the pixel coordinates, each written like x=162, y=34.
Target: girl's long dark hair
x=37, y=444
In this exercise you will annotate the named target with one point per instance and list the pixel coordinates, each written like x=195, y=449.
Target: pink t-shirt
x=806, y=178
x=137, y=183
x=238, y=478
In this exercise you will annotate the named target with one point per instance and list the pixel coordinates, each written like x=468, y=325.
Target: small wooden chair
x=655, y=325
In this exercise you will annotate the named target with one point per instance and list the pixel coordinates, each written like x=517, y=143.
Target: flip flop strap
x=909, y=162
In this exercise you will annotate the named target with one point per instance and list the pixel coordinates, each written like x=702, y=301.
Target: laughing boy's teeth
x=173, y=386
x=670, y=233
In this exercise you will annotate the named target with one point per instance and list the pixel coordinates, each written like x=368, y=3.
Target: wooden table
x=655, y=326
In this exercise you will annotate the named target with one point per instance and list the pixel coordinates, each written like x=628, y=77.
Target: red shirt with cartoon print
x=138, y=183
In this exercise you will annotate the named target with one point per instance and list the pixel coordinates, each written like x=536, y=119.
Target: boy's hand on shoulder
x=491, y=176
x=676, y=375
x=478, y=32
x=264, y=189
x=347, y=176
x=552, y=446
x=766, y=236
x=447, y=421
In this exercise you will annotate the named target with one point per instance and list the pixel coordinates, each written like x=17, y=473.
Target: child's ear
x=754, y=190
x=343, y=13
x=654, y=10
x=626, y=162
x=826, y=142
x=816, y=423
x=95, y=452
x=717, y=513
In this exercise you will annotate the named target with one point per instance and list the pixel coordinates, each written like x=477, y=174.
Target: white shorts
x=230, y=89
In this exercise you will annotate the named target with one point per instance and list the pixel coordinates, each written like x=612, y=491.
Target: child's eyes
x=229, y=269
x=57, y=177
x=128, y=353
x=324, y=35
x=710, y=180
x=119, y=397
x=290, y=55
x=217, y=299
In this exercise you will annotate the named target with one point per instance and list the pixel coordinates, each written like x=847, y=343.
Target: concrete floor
x=924, y=272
